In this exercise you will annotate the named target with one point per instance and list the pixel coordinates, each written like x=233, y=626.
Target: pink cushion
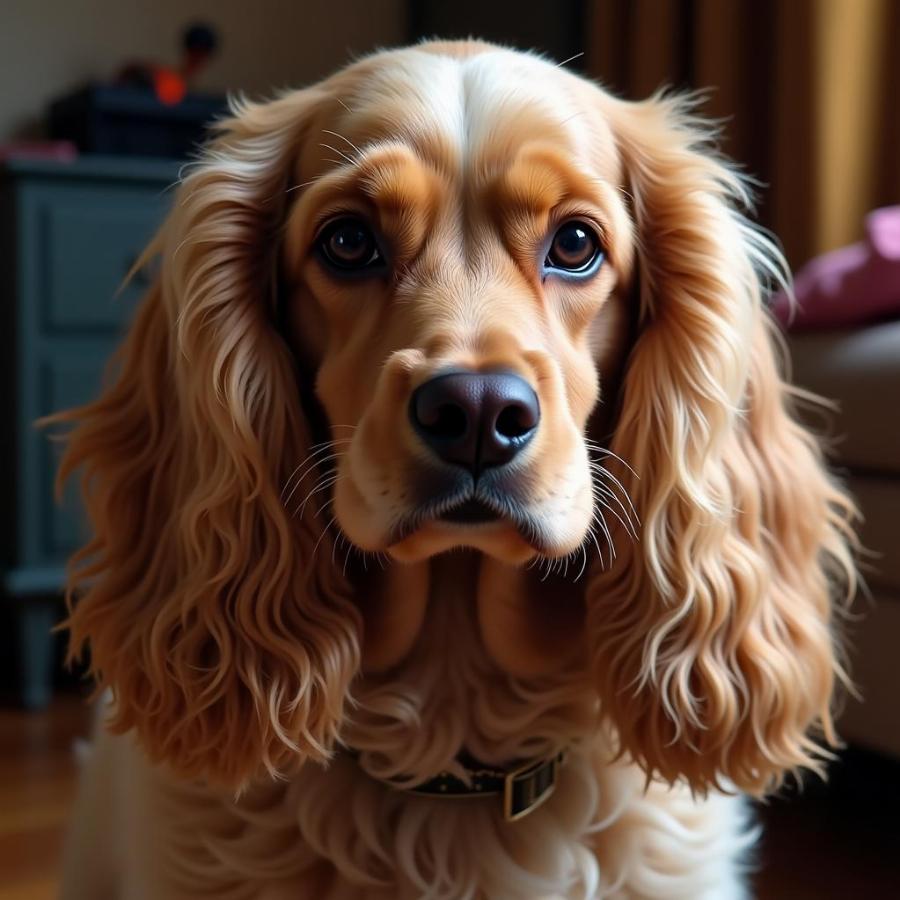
x=851, y=286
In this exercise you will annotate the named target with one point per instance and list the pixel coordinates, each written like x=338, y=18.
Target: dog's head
x=457, y=296
x=449, y=273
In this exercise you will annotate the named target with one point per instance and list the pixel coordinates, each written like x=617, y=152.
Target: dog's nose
x=475, y=419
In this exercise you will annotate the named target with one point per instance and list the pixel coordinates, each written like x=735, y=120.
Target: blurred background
x=100, y=103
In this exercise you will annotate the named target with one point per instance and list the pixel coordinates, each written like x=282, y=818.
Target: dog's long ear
x=227, y=644
x=713, y=637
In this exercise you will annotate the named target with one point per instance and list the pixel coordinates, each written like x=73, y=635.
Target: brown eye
x=575, y=249
x=348, y=245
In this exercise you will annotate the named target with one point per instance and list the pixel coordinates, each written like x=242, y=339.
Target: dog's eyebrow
x=540, y=178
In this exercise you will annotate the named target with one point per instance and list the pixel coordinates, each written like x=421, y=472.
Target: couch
x=860, y=370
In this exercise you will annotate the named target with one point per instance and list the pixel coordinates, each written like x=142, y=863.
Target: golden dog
x=450, y=435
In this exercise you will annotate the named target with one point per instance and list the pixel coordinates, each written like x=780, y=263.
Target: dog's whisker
x=328, y=460
x=629, y=515
x=298, y=187
x=318, y=449
x=601, y=496
x=601, y=521
x=322, y=484
x=593, y=535
x=607, y=452
x=328, y=525
x=340, y=153
x=331, y=443
x=611, y=484
x=603, y=472
x=327, y=503
x=626, y=517
x=546, y=574
x=335, y=544
x=609, y=476
x=584, y=560
x=343, y=138
x=572, y=58
x=323, y=449
x=347, y=559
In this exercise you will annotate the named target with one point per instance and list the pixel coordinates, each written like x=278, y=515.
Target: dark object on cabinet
x=128, y=120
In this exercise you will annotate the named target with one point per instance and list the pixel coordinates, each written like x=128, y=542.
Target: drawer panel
x=66, y=380
x=86, y=242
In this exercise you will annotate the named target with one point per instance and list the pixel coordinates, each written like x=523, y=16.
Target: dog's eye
x=348, y=245
x=575, y=249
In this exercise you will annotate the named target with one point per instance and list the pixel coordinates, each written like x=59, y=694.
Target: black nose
x=475, y=419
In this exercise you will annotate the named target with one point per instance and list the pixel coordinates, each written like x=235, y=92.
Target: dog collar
x=523, y=788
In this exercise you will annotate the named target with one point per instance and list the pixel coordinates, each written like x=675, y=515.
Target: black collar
x=523, y=787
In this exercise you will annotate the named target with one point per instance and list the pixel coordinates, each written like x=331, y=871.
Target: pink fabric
x=850, y=286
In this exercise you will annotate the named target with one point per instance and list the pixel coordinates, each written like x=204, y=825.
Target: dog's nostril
x=446, y=421
x=515, y=420
x=475, y=419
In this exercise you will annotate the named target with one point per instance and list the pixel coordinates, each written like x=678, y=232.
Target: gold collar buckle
x=528, y=787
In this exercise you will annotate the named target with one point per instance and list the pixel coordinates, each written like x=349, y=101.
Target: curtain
x=808, y=92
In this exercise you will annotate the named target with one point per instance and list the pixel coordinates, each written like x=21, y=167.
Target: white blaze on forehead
x=471, y=101
x=499, y=86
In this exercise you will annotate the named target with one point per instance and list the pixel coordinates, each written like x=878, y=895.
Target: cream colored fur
x=337, y=833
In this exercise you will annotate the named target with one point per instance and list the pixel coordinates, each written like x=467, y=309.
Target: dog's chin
x=498, y=525
x=497, y=538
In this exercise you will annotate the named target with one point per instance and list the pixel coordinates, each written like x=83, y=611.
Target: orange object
x=170, y=87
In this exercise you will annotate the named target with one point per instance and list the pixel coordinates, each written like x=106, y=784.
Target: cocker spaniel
x=453, y=536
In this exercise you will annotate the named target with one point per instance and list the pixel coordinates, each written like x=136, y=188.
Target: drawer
x=68, y=235
x=84, y=241
x=67, y=377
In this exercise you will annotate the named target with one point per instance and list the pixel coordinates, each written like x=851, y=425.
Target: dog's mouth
x=479, y=511
x=469, y=512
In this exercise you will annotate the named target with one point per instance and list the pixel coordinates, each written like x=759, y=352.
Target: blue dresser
x=69, y=232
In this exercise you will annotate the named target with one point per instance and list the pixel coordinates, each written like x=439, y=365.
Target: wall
x=49, y=47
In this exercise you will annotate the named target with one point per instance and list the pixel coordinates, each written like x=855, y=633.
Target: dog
x=454, y=535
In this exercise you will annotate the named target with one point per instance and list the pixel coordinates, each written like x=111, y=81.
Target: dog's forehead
x=475, y=111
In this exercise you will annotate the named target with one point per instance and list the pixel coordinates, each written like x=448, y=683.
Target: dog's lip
x=471, y=511
x=479, y=509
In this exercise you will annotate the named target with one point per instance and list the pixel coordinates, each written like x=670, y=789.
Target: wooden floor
x=814, y=848
x=37, y=787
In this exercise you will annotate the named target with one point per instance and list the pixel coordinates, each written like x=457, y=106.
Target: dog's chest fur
x=341, y=832
x=411, y=723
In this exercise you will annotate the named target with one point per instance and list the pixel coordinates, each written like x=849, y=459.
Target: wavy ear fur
x=714, y=643
x=228, y=647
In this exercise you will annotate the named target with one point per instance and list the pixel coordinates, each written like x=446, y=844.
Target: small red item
x=170, y=87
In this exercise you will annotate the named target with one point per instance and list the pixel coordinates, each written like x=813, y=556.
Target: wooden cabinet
x=69, y=233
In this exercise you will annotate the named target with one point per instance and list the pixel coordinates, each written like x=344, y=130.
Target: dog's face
x=454, y=263
x=479, y=266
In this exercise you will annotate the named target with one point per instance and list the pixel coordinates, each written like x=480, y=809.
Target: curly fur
x=714, y=645
x=227, y=649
